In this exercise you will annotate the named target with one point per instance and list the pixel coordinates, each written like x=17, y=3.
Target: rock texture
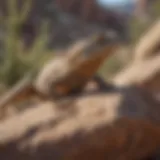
x=122, y=124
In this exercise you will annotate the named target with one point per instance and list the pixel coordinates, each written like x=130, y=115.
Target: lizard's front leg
x=100, y=83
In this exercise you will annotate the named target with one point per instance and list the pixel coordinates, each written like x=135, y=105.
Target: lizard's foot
x=101, y=84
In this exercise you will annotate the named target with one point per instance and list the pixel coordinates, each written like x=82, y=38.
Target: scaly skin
x=65, y=74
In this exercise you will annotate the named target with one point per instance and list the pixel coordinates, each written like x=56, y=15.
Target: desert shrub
x=15, y=59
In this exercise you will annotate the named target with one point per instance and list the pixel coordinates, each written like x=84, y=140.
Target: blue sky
x=115, y=2
x=122, y=5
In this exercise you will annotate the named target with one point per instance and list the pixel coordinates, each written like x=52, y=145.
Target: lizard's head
x=96, y=45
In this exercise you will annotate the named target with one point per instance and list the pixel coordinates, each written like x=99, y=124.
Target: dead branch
x=121, y=124
x=149, y=43
x=146, y=73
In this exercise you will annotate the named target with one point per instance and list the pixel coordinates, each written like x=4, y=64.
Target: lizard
x=67, y=73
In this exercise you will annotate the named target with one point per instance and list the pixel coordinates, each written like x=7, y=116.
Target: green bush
x=15, y=60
